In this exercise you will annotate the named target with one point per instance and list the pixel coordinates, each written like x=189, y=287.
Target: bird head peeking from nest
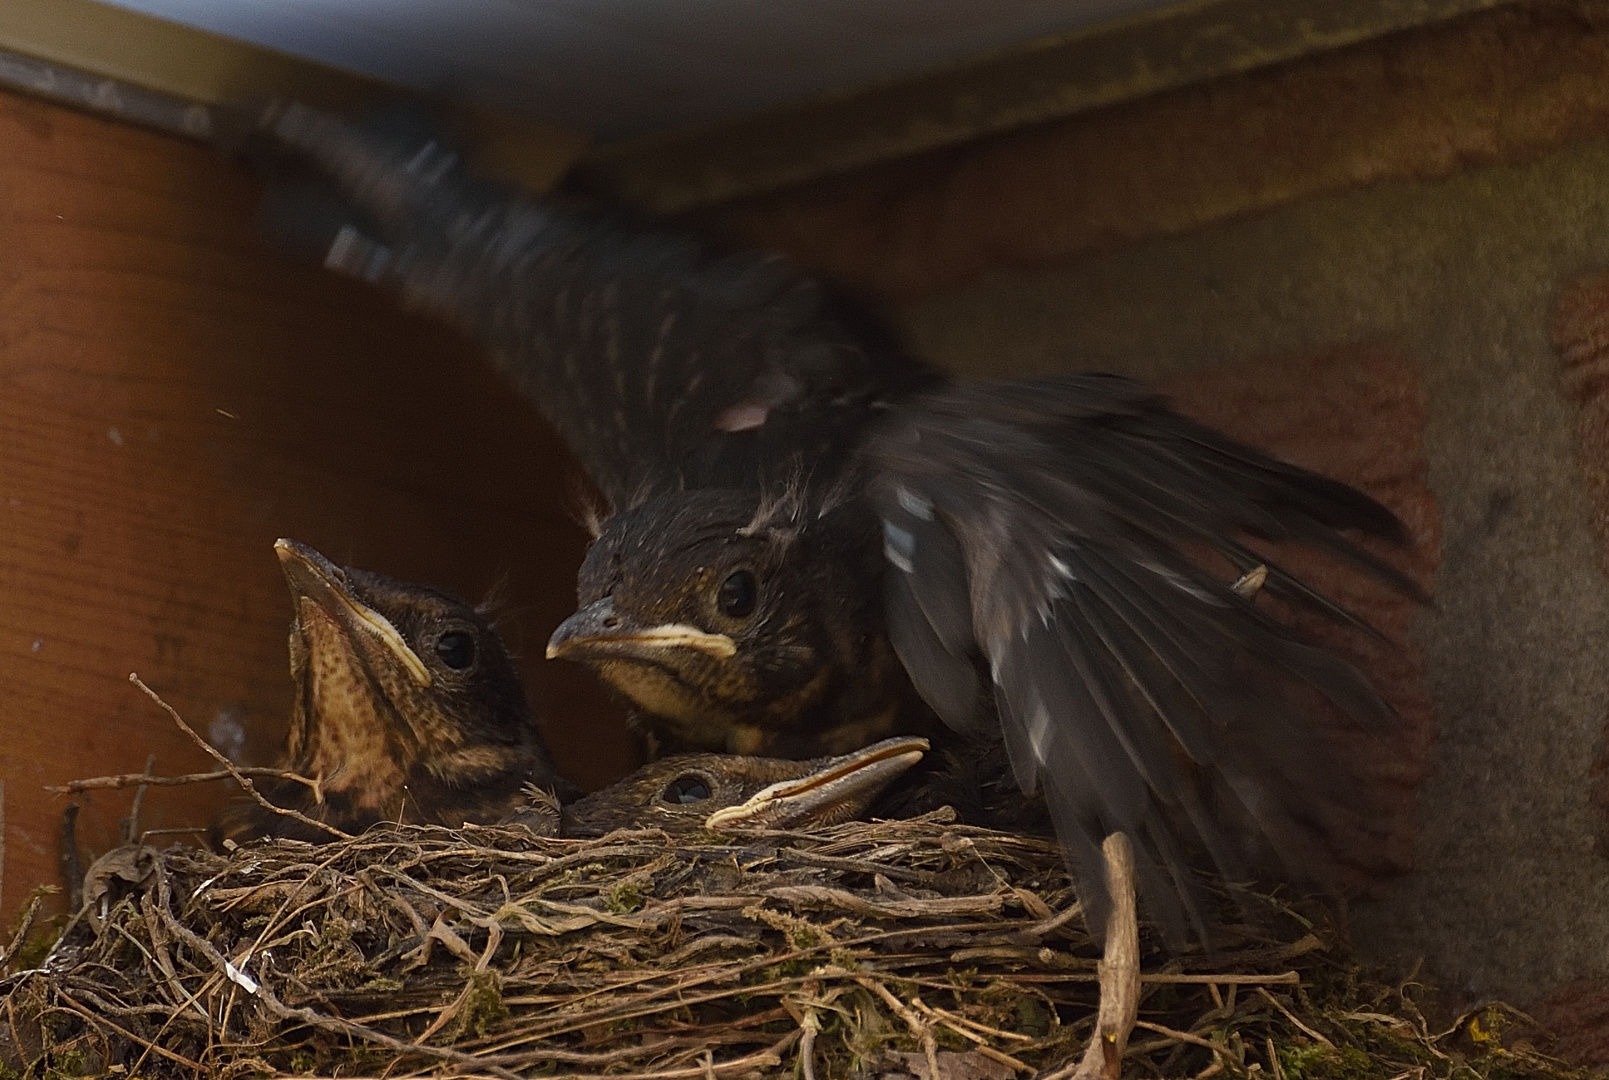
x=718, y=616
x=719, y=792
x=407, y=708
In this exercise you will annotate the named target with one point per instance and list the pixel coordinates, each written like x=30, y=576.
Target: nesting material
x=915, y=948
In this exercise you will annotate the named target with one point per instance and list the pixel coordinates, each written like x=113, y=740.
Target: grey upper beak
x=597, y=621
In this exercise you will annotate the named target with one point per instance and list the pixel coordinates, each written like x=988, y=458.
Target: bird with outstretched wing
x=815, y=541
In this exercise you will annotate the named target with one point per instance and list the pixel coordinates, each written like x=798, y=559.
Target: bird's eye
x=456, y=649
x=686, y=789
x=738, y=595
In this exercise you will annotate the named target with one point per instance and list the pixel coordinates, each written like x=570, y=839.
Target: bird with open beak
x=408, y=708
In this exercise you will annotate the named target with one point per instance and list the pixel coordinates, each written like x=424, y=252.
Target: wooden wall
x=174, y=395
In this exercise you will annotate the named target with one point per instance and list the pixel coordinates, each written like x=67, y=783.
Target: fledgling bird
x=816, y=541
x=688, y=792
x=407, y=708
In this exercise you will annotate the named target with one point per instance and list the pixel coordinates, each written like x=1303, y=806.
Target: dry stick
x=949, y=1020
x=1274, y=1062
x=150, y=1047
x=810, y=1025
x=954, y=1018
x=770, y=1058
x=240, y=778
x=135, y=780
x=1183, y=1036
x=1292, y=1017
x=1055, y=922
x=314, y=1019
x=922, y=1030
x=637, y=1008
x=1284, y=978
x=21, y=936
x=131, y=827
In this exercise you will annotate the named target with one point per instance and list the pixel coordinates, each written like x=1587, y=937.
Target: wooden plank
x=174, y=395
x=1123, y=60
x=195, y=66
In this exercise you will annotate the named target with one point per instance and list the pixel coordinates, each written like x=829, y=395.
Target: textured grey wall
x=1510, y=898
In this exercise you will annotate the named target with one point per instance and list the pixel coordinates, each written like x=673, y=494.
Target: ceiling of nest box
x=622, y=68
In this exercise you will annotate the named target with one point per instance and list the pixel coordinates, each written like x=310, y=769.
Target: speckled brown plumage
x=407, y=708
x=796, y=501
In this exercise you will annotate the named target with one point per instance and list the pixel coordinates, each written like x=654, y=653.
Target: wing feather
x=662, y=365
x=1140, y=692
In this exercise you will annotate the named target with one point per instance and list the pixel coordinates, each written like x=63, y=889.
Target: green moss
x=484, y=1008
x=788, y=969
x=68, y=1063
x=845, y=959
x=1326, y=1063
x=1033, y=1018
x=42, y=935
x=624, y=898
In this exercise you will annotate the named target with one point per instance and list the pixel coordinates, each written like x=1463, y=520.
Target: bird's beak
x=314, y=578
x=839, y=789
x=598, y=631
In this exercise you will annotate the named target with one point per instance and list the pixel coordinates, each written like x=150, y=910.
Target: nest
x=916, y=948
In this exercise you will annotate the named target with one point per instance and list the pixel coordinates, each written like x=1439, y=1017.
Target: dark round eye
x=456, y=649
x=686, y=789
x=738, y=595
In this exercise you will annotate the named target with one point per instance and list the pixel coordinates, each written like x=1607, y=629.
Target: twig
x=131, y=826
x=975, y=1026
x=810, y=1026
x=1183, y=1036
x=150, y=1047
x=1292, y=1018
x=23, y=926
x=1057, y=921
x=961, y=1026
x=1274, y=1065
x=1284, y=978
x=923, y=1031
x=124, y=780
x=240, y=778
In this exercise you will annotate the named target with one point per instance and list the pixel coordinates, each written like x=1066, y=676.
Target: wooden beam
x=1186, y=43
x=134, y=67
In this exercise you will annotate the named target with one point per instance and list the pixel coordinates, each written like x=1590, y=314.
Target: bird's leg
x=1118, y=971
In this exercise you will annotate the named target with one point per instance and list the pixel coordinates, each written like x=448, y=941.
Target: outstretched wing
x=1048, y=542
x=661, y=364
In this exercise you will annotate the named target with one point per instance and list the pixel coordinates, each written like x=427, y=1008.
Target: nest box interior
x=1347, y=244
